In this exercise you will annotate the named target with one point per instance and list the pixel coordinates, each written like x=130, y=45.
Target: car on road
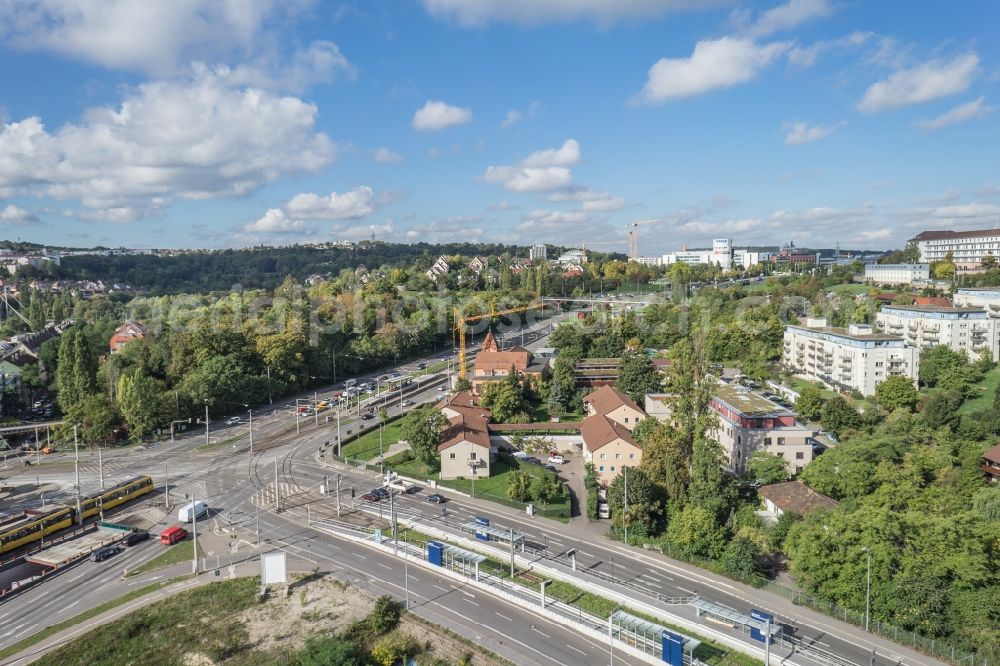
x=380, y=493
x=367, y=416
x=370, y=497
x=136, y=538
x=421, y=366
x=102, y=554
x=407, y=403
x=556, y=460
x=532, y=460
x=436, y=499
x=233, y=420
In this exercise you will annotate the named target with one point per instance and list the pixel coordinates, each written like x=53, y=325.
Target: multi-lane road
x=240, y=488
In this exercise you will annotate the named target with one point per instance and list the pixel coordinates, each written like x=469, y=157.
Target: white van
x=189, y=512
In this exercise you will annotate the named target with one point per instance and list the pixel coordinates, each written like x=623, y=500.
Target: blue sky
x=217, y=123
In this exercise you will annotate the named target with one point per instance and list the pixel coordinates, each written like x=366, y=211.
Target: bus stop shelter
x=652, y=639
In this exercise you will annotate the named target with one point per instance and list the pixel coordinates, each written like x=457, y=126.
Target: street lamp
x=868, y=588
x=250, y=412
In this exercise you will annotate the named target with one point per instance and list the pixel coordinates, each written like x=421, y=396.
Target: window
x=781, y=441
x=601, y=468
x=626, y=419
x=612, y=468
x=799, y=455
x=618, y=456
x=631, y=456
x=453, y=456
x=604, y=456
x=798, y=468
x=472, y=455
x=767, y=441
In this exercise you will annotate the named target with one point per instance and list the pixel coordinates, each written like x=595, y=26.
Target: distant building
x=478, y=264
x=465, y=447
x=574, y=270
x=748, y=422
x=572, y=257
x=648, y=261
x=968, y=248
x=538, y=252
x=991, y=464
x=14, y=263
x=793, y=497
x=722, y=254
x=897, y=273
x=969, y=330
x=439, y=268
x=987, y=298
x=492, y=364
x=130, y=330
x=790, y=255
x=851, y=359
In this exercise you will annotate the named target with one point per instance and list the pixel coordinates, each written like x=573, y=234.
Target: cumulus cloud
x=929, y=81
x=152, y=36
x=535, y=12
x=542, y=171
x=358, y=232
x=806, y=56
x=13, y=215
x=435, y=115
x=320, y=62
x=959, y=114
x=714, y=64
x=274, y=221
x=799, y=132
x=385, y=156
x=783, y=17
x=446, y=230
x=349, y=205
x=590, y=200
x=196, y=138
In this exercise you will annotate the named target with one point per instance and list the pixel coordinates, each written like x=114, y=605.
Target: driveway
x=572, y=473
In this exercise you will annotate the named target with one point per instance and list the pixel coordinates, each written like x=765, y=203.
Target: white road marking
x=535, y=629
x=503, y=616
x=576, y=649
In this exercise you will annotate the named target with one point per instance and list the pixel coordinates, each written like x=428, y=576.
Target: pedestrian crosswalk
x=267, y=496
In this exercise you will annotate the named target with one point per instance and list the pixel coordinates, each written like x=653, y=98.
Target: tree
x=986, y=503
x=897, y=392
x=739, y=559
x=519, y=485
x=944, y=269
x=695, y=532
x=422, y=429
x=562, y=386
x=838, y=416
x=935, y=360
x=139, y=401
x=766, y=468
x=663, y=459
x=503, y=399
x=646, y=502
x=75, y=368
x=711, y=488
x=97, y=416
x=637, y=376
x=809, y=404
x=941, y=409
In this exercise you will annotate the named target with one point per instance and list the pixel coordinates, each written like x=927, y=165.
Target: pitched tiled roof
x=948, y=234
x=489, y=343
x=796, y=497
x=607, y=399
x=467, y=424
x=938, y=301
x=993, y=455
x=598, y=430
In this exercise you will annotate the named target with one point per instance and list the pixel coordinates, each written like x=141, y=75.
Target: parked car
x=172, y=535
x=551, y=468
x=102, y=554
x=436, y=499
x=532, y=460
x=233, y=420
x=136, y=537
x=556, y=460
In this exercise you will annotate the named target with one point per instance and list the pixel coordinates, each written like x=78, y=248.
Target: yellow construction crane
x=461, y=320
x=633, y=240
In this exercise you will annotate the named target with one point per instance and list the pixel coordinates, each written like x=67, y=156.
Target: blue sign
x=482, y=522
x=756, y=633
x=434, y=553
x=673, y=648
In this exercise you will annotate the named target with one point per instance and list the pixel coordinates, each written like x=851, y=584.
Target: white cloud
x=385, y=156
x=958, y=213
x=447, y=230
x=929, y=81
x=436, y=115
x=501, y=205
x=191, y=139
x=806, y=56
x=799, y=132
x=321, y=62
x=542, y=171
x=11, y=214
x=959, y=114
x=385, y=231
x=152, y=36
x=537, y=12
x=590, y=200
x=515, y=116
x=783, y=17
x=274, y=221
x=714, y=63
x=566, y=155
x=349, y=205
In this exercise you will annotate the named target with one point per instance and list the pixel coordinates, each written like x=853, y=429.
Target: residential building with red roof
x=795, y=497
x=465, y=446
x=126, y=333
x=991, y=464
x=493, y=364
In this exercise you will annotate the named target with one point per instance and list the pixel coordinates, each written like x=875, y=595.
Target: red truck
x=173, y=534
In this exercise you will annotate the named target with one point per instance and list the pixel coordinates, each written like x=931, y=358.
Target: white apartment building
x=987, y=298
x=439, y=268
x=538, y=252
x=897, y=273
x=648, y=261
x=967, y=247
x=851, y=359
x=572, y=257
x=722, y=254
x=749, y=422
x=970, y=330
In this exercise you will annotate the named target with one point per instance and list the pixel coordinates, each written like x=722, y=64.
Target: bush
x=393, y=649
x=383, y=619
x=328, y=650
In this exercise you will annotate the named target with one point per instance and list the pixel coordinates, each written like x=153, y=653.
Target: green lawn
x=850, y=289
x=179, y=552
x=984, y=393
x=366, y=447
